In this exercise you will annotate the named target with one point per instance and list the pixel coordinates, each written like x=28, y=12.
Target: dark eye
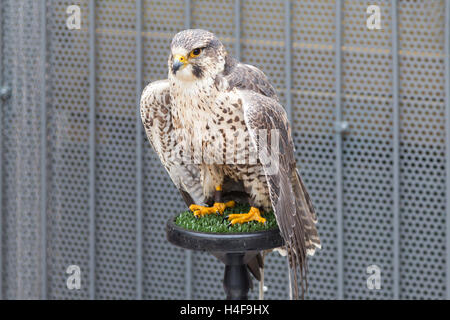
x=196, y=52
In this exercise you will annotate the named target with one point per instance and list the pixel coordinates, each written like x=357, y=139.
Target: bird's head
x=195, y=54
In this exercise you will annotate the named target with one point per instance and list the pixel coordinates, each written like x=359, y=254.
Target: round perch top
x=223, y=242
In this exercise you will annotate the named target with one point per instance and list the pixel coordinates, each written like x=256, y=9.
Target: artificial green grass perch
x=216, y=223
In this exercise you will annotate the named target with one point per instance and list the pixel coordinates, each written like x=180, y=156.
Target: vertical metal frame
x=338, y=114
x=188, y=253
x=187, y=14
x=1, y=151
x=288, y=57
x=396, y=149
x=139, y=215
x=447, y=143
x=92, y=138
x=237, y=28
x=43, y=160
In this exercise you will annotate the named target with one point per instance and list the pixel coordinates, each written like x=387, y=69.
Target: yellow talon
x=253, y=215
x=218, y=207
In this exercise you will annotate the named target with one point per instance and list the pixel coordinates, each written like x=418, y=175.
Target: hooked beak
x=178, y=63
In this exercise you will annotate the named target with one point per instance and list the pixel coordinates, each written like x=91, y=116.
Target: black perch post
x=233, y=249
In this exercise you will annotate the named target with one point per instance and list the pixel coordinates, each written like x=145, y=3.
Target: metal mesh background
x=296, y=44
x=20, y=151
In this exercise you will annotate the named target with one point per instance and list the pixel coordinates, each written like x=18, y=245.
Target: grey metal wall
x=80, y=185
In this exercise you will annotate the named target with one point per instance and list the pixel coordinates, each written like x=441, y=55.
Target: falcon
x=222, y=135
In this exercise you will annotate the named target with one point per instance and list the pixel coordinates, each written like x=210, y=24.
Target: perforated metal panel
x=380, y=188
x=423, y=192
x=68, y=131
x=313, y=80
x=20, y=151
x=367, y=149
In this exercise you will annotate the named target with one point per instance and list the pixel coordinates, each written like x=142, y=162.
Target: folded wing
x=157, y=120
x=267, y=122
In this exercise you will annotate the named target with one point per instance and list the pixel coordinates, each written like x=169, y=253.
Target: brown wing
x=290, y=200
x=247, y=77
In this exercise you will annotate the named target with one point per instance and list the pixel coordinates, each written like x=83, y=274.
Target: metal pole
x=447, y=142
x=43, y=150
x=139, y=215
x=288, y=79
x=188, y=253
x=339, y=192
x=92, y=137
x=288, y=57
x=396, y=148
x=187, y=14
x=237, y=30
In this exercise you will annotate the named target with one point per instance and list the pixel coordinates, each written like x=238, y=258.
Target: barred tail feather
x=304, y=240
x=308, y=214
